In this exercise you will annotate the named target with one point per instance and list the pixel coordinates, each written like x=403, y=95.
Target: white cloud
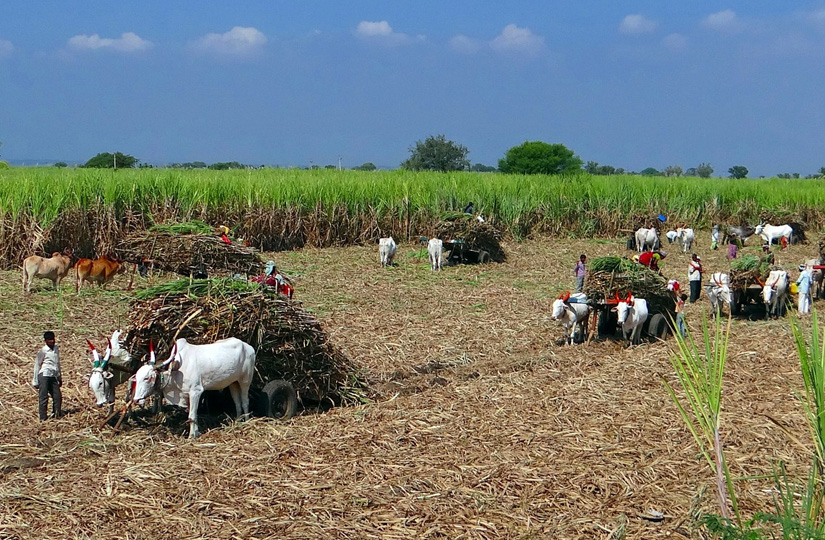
x=518, y=40
x=6, y=48
x=464, y=44
x=128, y=42
x=382, y=32
x=675, y=42
x=721, y=20
x=637, y=24
x=240, y=41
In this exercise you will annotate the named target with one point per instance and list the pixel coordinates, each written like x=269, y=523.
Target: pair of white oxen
x=775, y=292
x=387, y=248
x=573, y=312
x=648, y=239
x=183, y=377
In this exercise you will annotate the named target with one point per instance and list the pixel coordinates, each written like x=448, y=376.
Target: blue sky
x=293, y=83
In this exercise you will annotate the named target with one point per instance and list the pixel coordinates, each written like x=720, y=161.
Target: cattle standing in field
x=646, y=239
x=632, y=314
x=718, y=292
x=55, y=268
x=771, y=233
x=386, y=251
x=572, y=315
x=101, y=271
x=685, y=238
x=434, y=250
x=736, y=233
x=775, y=293
x=195, y=368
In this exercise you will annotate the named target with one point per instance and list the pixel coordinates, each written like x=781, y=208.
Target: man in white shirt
x=695, y=277
x=47, y=379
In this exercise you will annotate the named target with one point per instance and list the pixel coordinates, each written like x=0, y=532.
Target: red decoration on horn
x=91, y=345
x=566, y=296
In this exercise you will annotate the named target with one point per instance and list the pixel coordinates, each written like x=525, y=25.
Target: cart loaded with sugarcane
x=611, y=280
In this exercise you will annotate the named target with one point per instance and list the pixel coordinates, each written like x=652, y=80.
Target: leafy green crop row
x=580, y=204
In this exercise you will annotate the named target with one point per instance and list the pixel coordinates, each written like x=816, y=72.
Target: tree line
x=437, y=153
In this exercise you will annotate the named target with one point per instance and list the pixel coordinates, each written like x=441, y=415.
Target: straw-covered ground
x=485, y=428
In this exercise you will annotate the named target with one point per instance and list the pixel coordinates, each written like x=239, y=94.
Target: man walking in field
x=47, y=379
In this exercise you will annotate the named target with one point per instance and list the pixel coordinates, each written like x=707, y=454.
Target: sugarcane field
x=401, y=388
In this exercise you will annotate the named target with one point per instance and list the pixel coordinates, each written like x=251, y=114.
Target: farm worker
x=803, y=285
x=695, y=277
x=680, y=314
x=469, y=208
x=580, y=271
x=732, y=249
x=47, y=379
x=651, y=259
x=714, y=237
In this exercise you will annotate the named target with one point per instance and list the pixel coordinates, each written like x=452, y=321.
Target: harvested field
x=485, y=428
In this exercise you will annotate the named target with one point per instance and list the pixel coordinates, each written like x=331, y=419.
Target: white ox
x=55, y=268
x=195, y=368
x=685, y=238
x=718, y=291
x=770, y=233
x=100, y=380
x=572, y=316
x=386, y=251
x=632, y=314
x=103, y=380
x=671, y=236
x=646, y=239
x=434, y=250
x=775, y=293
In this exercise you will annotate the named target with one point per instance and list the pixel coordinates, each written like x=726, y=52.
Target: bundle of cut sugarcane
x=181, y=253
x=289, y=342
x=609, y=276
x=749, y=270
x=474, y=233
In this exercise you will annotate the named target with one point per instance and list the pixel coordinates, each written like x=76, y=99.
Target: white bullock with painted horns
x=573, y=312
x=195, y=368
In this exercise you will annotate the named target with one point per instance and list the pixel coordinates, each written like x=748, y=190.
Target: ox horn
x=171, y=357
x=151, y=353
x=95, y=354
x=108, y=354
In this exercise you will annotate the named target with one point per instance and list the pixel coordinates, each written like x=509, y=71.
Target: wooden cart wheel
x=658, y=327
x=279, y=399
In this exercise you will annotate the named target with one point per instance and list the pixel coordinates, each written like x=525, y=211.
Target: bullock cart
x=295, y=362
x=469, y=241
x=611, y=278
x=747, y=279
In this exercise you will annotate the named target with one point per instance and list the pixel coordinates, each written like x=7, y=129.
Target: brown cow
x=101, y=271
x=55, y=268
